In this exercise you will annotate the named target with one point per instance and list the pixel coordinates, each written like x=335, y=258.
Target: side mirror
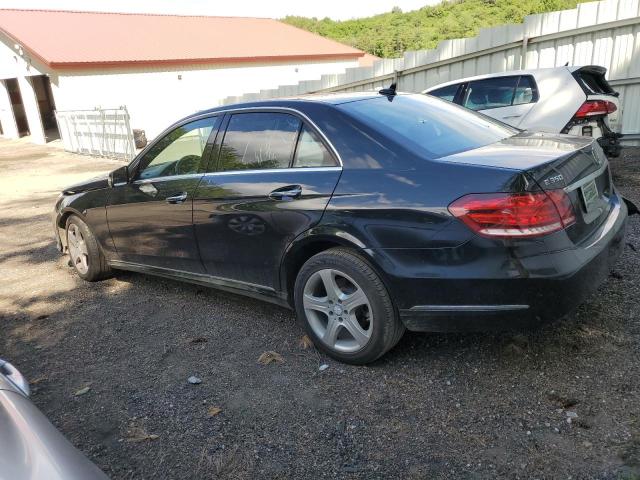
x=12, y=374
x=119, y=176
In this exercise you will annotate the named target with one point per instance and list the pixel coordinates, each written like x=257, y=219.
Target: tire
x=85, y=254
x=345, y=307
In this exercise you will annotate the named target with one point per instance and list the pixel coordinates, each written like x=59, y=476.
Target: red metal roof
x=64, y=39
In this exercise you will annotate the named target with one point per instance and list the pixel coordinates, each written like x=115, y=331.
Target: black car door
x=272, y=180
x=151, y=217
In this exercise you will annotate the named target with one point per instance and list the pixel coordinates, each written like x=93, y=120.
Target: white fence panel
x=99, y=132
x=603, y=33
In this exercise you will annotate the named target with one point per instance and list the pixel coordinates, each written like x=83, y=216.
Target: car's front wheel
x=345, y=307
x=84, y=252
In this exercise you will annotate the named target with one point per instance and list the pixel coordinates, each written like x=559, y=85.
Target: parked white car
x=573, y=100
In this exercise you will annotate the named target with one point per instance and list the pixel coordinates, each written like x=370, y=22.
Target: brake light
x=595, y=107
x=515, y=215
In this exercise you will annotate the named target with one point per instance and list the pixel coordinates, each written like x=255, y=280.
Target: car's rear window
x=593, y=83
x=432, y=127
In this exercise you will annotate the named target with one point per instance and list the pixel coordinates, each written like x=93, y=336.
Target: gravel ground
x=459, y=406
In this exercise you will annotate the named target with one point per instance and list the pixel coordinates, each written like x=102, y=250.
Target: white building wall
x=16, y=63
x=156, y=98
x=7, y=120
x=30, y=102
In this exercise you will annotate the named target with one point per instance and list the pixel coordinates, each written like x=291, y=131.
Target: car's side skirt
x=259, y=292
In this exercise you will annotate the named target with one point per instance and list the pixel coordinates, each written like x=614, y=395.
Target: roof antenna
x=389, y=92
x=566, y=64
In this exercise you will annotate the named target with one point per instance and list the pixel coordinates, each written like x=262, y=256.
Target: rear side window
x=429, y=126
x=490, y=93
x=261, y=140
x=447, y=93
x=311, y=152
x=526, y=91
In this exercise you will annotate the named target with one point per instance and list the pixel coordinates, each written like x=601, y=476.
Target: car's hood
x=95, y=183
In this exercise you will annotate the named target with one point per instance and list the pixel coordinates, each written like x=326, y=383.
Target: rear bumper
x=544, y=288
x=607, y=139
x=610, y=143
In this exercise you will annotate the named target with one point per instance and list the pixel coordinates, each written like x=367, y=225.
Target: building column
x=9, y=127
x=31, y=109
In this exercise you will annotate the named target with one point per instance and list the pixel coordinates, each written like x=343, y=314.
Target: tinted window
x=447, y=93
x=593, y=83
x=490, y=93
x=310, y=151
x=525, y=91
x=429, y=126
x=180, y=152
x=258, y=141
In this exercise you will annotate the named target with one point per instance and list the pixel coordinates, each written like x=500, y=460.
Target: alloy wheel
x=78, y=249
x=338, y=310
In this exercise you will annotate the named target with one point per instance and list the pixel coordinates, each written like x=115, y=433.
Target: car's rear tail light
x=515, y=215
x=595, y=107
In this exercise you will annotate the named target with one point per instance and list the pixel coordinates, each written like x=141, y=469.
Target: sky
x=336, y=9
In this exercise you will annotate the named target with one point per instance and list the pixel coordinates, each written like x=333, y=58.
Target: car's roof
x=327, y=98
x=535, y=72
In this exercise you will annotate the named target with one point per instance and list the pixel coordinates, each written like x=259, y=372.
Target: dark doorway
x=46, y=105
x=17, y=106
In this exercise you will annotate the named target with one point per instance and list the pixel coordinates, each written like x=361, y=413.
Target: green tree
x=390, y=34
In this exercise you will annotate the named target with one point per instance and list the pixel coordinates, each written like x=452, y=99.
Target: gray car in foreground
x=30, y=446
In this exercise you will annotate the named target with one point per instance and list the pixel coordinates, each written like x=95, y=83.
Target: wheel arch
x=311, y=243
x=66, y=213
x=61, y=223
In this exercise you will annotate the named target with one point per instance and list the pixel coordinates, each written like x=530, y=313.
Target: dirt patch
x=559, y=402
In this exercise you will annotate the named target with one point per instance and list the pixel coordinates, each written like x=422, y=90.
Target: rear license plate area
x=589, y=192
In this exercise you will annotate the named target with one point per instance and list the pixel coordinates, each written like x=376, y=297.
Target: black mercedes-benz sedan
x=367, y=213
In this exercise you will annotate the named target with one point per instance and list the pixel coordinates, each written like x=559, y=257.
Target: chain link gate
x=103, y=132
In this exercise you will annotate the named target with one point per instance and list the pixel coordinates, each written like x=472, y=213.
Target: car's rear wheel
x=84, y=252
x=345, y=307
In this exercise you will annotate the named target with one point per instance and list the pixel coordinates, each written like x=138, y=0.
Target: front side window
x=311, y=152
x=447, y=93
x=180, y=152
x=256, y=141
x=490, y=93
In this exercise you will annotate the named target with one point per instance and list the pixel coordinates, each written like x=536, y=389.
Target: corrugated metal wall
x=603, y=33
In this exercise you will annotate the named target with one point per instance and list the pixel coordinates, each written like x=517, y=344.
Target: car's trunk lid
x=550, y=162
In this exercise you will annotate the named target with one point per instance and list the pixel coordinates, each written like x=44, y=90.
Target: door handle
x=180, y=198
x=286, y=193
x=512, y=116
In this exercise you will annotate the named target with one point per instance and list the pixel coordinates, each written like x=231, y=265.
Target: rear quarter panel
x=560, y=99
x=387, y=209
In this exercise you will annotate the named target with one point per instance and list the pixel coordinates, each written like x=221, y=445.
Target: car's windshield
x=432, y=127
